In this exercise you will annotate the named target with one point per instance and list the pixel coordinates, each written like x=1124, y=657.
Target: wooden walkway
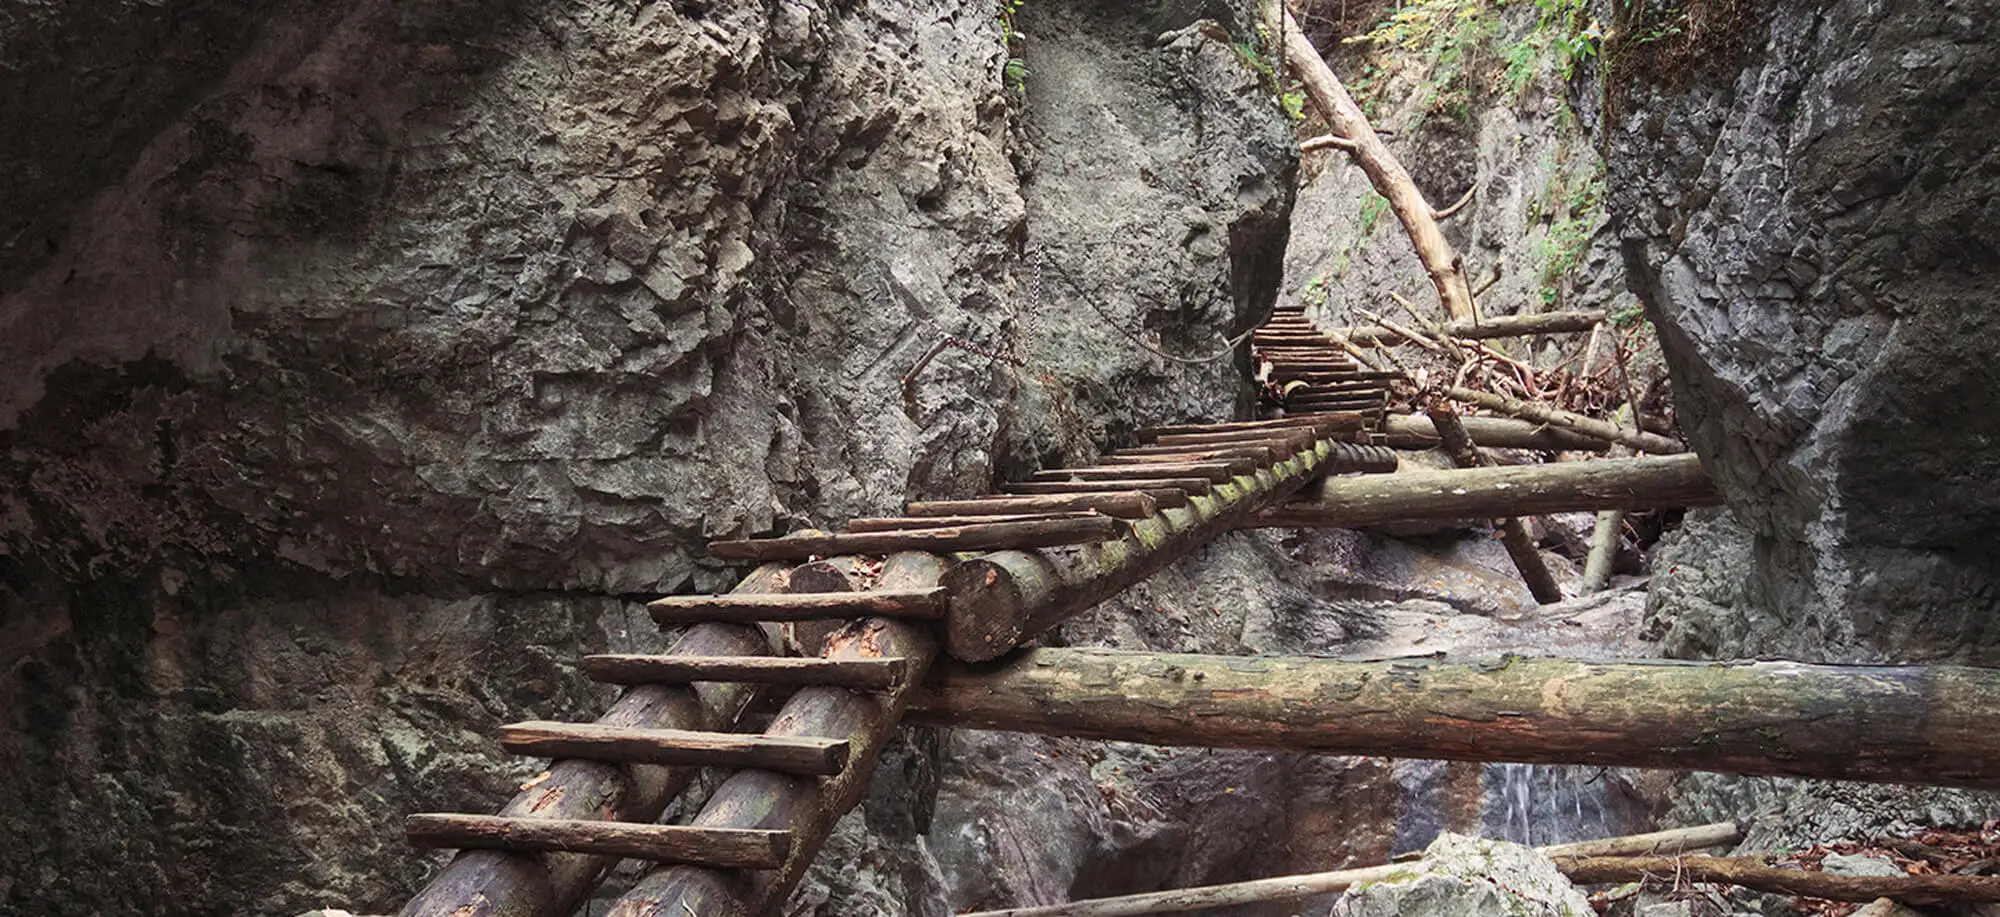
x=835, y=630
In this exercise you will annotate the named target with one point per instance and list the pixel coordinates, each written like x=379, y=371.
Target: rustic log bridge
x=787, y=754
x=805, y=807
x=628, y=669
x=737, y=849
x=1002, y=599
x=978, y=537
x=1470, y=493
x=501, y=883
x=1118, y=504
x=694, y=609
x=1293, y=888
x=1937, y=725
x=1416, y=432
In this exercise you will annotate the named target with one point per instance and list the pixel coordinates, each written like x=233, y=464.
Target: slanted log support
x=500, y=883
x=1525, y=490
x=1417, y=432
x=1936, y=725
x=1002, y=599
x=806, y=807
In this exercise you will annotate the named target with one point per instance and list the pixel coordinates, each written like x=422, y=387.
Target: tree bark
x=1525, y=490
x=1387, y=174
x=1292, y=888
x=976, y=537
x=1000, y=600
x=1937, y=725
x=658, y=843
x=1541, y=413
x=1417, y=432
x=1489, y=328
x=1604, y=543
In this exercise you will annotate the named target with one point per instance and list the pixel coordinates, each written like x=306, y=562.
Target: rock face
x=366, y=360
x=1810, y=221
x=1469, y=877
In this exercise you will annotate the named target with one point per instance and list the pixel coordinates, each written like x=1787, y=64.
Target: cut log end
x=987, y=610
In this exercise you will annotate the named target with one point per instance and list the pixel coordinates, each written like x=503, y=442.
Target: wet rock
x=1859, y=864
x=1464, y=877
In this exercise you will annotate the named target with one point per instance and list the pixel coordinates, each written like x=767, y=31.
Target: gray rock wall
x=1810, y=221
x=367, y=361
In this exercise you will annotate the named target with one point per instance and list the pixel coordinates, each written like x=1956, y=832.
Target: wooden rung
x=1162, y=497
x=676, y=747
x=718, y=848
x=1299, y=440
x=1282, y=424
x=862, y=674
x=908, y=523
x=810, y=606
x=979, y=537
x=1261, y=456
x=1120, y=505
x=1280, y=449
x=1213, y=472
x=1195, y=486
x=1357, y=375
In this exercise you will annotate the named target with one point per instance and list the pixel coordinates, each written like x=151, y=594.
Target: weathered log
x=1936, y=725
x=688, y=748
x=1295, y=441
x=1754, y=872
x=1148, y=434
x=984, y=536
x=1416, y=432
x=1349, y=458
x=1215, y=472
x=1002, y=599
x=1387, y=174
x=1489, y=328
x=907, y=523
x=1526, y=490
x=1542, y=413
x=695, y=609
x=627, y=669
x=1118, y=504
x=805, y=807
x=1292, y=888
x=494, y=883
x=1190, y=486
x=1513, y=532
x=1259, y=456
x=1280, y=450
x=658, y=843
x=1604, y=543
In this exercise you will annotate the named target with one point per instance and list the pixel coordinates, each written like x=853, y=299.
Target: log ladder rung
x=812, y=606
x=1195, y=486
x=986, y=536
x=1120, y=505
x=719, y=848
x=676, y=747
x=860, y=674
x=1214, y=472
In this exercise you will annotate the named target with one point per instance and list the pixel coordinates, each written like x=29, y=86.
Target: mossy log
x=1937, y=725
x=1517, y=490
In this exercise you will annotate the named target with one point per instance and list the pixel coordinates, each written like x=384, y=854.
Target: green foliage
x=1373, y=206
x=1628, y=316
x=1455, y=36
x=1571, y=32
x=1573, y=205
x=1294, y=103
x=1015, y=71
x=1315, y=292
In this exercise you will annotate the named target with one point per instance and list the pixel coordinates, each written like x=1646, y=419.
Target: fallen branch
x=1513, y=532
x=1523, y=490
x=1292, y=888
x=1453, y=210
x=1753, y=872
x=1640, y=441
x=1501, y=327
x=1327, y=142
x=1388, y=176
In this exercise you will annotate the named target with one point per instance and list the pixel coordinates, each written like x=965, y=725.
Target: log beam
x=1002, y=599
x=1116, y=504
x=1935, y=725
x=1488, y=328
x=977, y=537
x=1415, y=432
x=1524, y=490
x=659, y=843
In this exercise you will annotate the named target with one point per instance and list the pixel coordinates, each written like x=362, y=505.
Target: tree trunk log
x=1541, y=413
x=1002, y=599
x=494, y=883
x=1412, y=431
x=1513, y=533
x=1489, y=328
x=1937, y=725
x=1293, y=888
x=804, y=806
x=1388, y=176
x=1754, y=872
x=1604, y=543
x=1525, y=490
